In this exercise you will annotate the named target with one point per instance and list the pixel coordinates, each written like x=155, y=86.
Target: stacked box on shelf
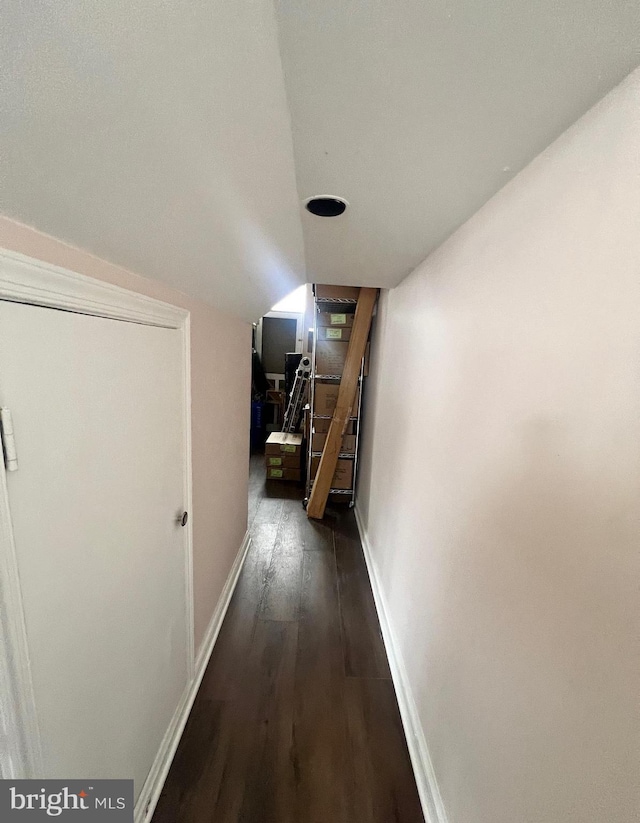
x=343, y=476
x=334, y=326
x=325, y=397
x=334, y=318
x=330, y=356
x=283, y=456
x=320, y=438
x=321, y=426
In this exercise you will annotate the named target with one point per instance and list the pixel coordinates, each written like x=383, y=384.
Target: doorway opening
x=280, y=338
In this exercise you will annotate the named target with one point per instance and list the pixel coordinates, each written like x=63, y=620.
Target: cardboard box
x=274, y=473
x=323, y=292
x=326, y=397
x=348, y=443
x=321, y=425
x=334, y=333
x=335, y=319
x=283, y=443
x=343, y=476
x=335, y=325
x=330, y=356
x=282, y=461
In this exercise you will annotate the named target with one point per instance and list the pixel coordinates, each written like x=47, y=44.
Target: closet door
x=97, y=408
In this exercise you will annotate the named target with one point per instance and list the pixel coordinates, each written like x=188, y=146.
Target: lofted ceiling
x=165, y=138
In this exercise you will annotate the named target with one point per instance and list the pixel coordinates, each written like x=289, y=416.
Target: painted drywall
x=157, y=136
x=500, y=481
x=220, y=387
x=418, y=112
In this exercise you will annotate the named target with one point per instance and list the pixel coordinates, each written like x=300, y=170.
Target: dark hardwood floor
x=296, y=720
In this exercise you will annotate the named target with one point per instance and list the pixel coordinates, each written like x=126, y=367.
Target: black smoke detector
x=326, y=205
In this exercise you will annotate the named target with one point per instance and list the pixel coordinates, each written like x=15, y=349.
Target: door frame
x=278, y=378
x=27, y=280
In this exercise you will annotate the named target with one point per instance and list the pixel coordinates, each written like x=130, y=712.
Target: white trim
x=430, y=799
x=21, y=729
x=152, y=788
x=24, y=280
x=188, y=493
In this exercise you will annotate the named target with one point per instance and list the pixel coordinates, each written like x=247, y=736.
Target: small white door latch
x=8, y=441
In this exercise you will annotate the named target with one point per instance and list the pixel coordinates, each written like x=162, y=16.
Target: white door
x=97, y=408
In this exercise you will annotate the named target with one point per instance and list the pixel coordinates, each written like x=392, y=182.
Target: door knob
x=183, y=518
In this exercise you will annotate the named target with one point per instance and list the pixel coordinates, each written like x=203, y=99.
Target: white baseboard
x=430, y=799
x=158, y=774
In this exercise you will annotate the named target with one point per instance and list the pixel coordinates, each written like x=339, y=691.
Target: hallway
x=296, y=719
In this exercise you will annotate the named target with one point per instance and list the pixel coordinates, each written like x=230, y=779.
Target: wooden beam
x=344, y=405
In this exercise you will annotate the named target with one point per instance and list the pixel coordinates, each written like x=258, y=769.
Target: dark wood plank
x=318, y=536
x=235, y=760
x=252, y=508
x=270, y=783
x=268, y=511
x=296, y=534
x=258, y=777
x=325, y=783
x=312, y=535
x=387, y=791
x=283, y=585
x=193, y=782
x=228, y=661
x=364, y=651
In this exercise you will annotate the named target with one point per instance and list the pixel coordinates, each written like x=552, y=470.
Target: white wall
x=500, y=486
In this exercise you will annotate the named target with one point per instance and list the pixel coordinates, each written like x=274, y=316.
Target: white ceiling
x=418, y=111
x=157, y=135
